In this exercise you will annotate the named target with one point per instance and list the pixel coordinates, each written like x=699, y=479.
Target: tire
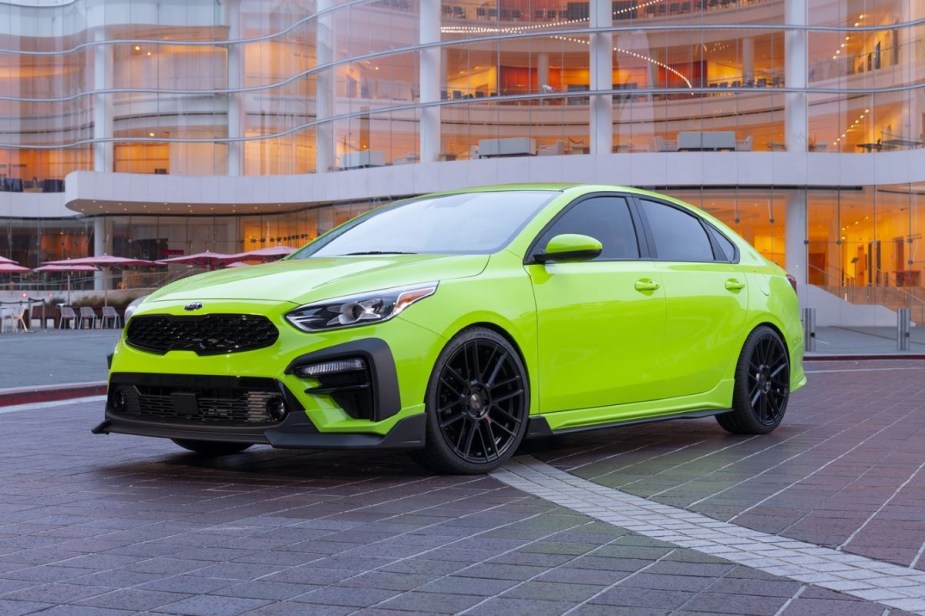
x=211, y=448
x=762, y=385
x=477, y=405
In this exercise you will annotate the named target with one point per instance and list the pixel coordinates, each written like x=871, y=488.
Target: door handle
x=734, y=285
x=646, y=284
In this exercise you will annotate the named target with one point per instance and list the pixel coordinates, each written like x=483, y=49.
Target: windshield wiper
x=379, y=252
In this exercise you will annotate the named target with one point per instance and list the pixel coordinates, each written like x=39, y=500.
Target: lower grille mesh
x=240, y=405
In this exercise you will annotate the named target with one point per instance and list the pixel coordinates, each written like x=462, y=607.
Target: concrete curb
x=49, y=393
x=863, y=356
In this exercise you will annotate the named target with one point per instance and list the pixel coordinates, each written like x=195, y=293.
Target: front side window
x=606, y=219
x=678, y=236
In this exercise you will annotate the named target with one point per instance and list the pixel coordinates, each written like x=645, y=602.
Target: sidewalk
x=865, y=342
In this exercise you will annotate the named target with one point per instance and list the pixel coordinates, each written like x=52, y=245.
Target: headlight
x=133, y=305
x=373, y=307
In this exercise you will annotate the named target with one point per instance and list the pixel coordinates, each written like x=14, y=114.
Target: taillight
x=793, y=281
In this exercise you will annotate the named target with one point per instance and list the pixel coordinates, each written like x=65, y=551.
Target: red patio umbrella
x=10, y=267
x=263, y=254
x=207, y=259
x=69, y=269
x=105, y=262
x=5, y=260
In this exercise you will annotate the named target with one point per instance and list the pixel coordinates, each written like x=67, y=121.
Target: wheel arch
x=504, y=333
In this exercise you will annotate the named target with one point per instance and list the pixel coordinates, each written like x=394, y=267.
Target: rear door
x=706, y=295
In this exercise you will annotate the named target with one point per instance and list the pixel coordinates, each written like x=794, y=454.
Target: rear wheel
x=762, y=385
x=211, y=448
x=477, y=404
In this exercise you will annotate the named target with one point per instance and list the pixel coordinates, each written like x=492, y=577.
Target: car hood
x=304, y=280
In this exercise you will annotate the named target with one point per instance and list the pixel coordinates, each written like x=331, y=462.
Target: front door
x=601, y=322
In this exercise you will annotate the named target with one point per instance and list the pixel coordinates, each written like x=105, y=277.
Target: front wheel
x=477, y=404
x=211, y=448
x=762, y=385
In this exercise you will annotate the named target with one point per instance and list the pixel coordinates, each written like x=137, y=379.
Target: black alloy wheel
x=477, y=404
x=211, y=448
x=762, y=385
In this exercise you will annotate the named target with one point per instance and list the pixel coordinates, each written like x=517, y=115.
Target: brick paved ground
x=123, y=525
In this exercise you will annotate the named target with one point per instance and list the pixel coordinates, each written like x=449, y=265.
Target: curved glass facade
x=282, y=88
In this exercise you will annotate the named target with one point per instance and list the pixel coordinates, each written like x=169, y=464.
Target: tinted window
x=606, y=219
x=727, y=247
x=678, y=236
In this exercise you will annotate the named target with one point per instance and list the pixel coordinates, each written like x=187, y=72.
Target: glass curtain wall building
x=153, y=128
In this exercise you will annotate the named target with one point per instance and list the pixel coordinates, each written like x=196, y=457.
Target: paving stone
x=432, y=603
x=518, y=607
x=84, y=517
x=741, y=605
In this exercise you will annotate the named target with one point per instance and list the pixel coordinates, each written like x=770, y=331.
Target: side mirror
x=570, y=247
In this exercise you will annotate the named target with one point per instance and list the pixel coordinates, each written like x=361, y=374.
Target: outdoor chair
x=87, y=315
x=110, y=318
x=67, y=316
x=14, y=319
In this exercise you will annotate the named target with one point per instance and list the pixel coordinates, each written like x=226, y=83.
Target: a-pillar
x=324, y=87
x=601, y=63
x=796, y=239
x=429, y=75
x=795, y=74
x=235, y=99
x=102, y=104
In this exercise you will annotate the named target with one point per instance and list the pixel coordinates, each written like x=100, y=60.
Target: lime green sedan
x=456, y=325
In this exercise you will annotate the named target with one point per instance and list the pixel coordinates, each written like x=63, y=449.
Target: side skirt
x=539, y=427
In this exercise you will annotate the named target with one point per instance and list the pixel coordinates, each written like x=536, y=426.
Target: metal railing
x=881, y=290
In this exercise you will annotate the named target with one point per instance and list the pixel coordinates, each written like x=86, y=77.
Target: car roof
x=547, y=186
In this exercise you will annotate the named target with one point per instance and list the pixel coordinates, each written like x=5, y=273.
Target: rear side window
x=606, y=219
x=678, y=236
x=727, y=248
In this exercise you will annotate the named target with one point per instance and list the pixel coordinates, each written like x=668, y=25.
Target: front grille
x=234, y=402
x=211, y=334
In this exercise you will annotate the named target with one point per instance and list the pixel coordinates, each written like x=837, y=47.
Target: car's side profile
x=456, y=325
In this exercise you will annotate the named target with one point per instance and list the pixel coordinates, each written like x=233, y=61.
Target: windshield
x=470, y=223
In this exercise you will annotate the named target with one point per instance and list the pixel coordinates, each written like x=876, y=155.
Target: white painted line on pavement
x=872, y=580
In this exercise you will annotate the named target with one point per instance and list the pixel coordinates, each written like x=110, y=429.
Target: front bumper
x=295, y=432
x=223, y=397
x=231, y=409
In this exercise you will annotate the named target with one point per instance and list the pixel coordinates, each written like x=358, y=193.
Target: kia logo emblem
x=193, y=306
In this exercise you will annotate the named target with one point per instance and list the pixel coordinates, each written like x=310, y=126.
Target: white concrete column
x=542, y=70
x=324, y=88
x=748, y=59
x=430, y=74
x=102, y=104
x=236, y=111
x=100, y=230
x=796, y=236
x=796, y=66
x=601, y=65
